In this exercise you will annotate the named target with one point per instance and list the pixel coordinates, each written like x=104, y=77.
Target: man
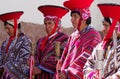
x=46, y=55
x=105, y=64
x=16, y=49
x=106, y=26
x=80, y=44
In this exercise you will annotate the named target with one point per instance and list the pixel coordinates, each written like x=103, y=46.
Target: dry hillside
x=35, y=31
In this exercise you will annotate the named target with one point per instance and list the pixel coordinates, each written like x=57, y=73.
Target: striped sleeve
x=75, y=70
x=89, y=66
x=65, y=50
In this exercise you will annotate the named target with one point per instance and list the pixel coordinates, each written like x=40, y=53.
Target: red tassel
x=12, y=37
x=31, y=66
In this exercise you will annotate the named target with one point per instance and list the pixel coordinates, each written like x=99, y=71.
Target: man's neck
x=83, y=27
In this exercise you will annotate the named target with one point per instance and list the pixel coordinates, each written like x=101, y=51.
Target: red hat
x=77, y=4
x=110, y=10
x=81, y=6
x=52, y=10
x=11, y=15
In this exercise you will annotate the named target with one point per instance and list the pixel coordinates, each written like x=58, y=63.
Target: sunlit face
x=75, y=17
x=106, y=27
x=49, y=25
x=9, y=29
x=117, y=31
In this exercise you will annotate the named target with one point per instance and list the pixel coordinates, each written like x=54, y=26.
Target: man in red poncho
x=106, y=63
x=46, y=53
x=80, y=44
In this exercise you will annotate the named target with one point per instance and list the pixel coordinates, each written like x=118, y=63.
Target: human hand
x=61, y=75
x=31, y=58
x=36, y=71
x=58, y=66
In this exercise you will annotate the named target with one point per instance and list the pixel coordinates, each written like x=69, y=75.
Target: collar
x=52, y=35
x=86, y=29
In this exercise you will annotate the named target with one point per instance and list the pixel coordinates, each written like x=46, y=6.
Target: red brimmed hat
x=110, y=10
x=11, y=15
x=113, y=11
x=81, y=6
x=52, y=10
x=77, y=4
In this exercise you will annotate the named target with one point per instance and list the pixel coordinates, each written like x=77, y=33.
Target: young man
x=46, y=54
x=104, y=61
x=80, y=44
x=106, y=26
x=16, y=49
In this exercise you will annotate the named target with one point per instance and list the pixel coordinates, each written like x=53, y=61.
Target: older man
x=46, y=56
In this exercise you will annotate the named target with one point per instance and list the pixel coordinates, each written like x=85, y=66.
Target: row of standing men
x=58, y=56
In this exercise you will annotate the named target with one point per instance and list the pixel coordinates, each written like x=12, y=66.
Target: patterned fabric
x=111, y=67
x=15, y=61
x=79, y=47
x=6, y=76
x=46, y=57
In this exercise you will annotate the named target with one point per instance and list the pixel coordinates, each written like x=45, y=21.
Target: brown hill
x=35, y=31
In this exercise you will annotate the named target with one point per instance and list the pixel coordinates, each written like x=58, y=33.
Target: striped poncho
x=46, y=57
x=15, y=61
x=79, y=47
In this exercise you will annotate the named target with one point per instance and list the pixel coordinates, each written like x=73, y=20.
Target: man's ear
x=84, y=21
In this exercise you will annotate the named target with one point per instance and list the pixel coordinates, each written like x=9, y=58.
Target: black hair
x=19, y=25
x=75, y=12
x=107, y=19
x=5, y=23
x=88, y=21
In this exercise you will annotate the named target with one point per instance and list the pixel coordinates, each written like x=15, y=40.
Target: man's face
x=49, y=25
x=106, y=27
x=117, y=30
x=9, y=29
x=75, y=17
